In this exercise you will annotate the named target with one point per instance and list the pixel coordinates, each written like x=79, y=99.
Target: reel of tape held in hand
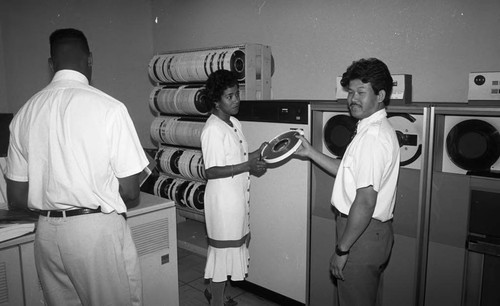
x=281, y=146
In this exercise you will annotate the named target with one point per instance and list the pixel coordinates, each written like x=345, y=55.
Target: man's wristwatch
x=339, y=252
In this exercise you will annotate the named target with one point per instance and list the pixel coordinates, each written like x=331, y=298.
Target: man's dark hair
x=216, y=84
x=63, y=37
x=373, y=71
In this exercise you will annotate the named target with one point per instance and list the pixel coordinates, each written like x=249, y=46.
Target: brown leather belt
x=68, y=213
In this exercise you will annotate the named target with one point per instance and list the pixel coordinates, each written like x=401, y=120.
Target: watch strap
x=339, y=252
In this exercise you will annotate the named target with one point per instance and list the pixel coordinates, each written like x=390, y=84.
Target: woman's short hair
x=216, y=84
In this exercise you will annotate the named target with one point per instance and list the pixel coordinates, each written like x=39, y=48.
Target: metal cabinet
x=11, y=285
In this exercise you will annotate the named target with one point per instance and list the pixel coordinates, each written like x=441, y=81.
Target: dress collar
x=225, y=123
x=72, y=75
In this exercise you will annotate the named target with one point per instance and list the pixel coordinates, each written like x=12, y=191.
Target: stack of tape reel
x=182, y=100
x=185, y=193
x=181, y=162
x=179, y=103
x=196, y=66
x=177, y=130
x=182, y=179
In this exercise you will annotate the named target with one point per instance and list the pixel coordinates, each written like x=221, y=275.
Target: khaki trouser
x=87, y=260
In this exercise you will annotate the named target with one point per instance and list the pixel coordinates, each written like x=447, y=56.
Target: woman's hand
x=257, y=165
x=258, y=153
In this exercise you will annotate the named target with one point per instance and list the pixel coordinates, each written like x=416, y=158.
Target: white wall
x=437, y=41
x=120, y=38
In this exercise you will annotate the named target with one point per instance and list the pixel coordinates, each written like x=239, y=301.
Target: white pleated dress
x=227, y=205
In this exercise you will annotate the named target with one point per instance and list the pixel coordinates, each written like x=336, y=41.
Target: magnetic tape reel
x=281, y=146
x=472, y=144
x=338, y=133
x=409, y=132
x=196, y=196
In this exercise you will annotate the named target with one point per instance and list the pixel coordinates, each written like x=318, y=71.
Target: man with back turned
x=364, y=191
x=74, y=157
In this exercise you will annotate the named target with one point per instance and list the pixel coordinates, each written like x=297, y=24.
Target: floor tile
x=182, y=253
x=190, y=267
x=189, y=296
x=250, y=299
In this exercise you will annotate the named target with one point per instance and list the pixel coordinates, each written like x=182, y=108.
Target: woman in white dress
x=228, y=166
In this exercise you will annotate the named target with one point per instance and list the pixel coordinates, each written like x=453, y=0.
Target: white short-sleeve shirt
x=71, y=142
x=371, y=159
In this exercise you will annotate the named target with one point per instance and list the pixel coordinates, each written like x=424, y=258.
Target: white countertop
x=148, y=203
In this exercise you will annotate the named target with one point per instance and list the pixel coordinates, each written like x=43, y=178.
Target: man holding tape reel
x=364, y=191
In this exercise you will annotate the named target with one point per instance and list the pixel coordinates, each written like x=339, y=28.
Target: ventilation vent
x=4, y=289
x=151, y=237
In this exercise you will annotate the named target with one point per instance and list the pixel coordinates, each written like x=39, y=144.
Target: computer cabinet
x=153, y=226
x=11, y=286
x=19, y=283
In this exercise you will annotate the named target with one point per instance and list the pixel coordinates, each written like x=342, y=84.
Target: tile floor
x=192, y=284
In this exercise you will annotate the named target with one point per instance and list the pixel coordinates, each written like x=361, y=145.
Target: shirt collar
x=70, y=75
x=372, y=118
